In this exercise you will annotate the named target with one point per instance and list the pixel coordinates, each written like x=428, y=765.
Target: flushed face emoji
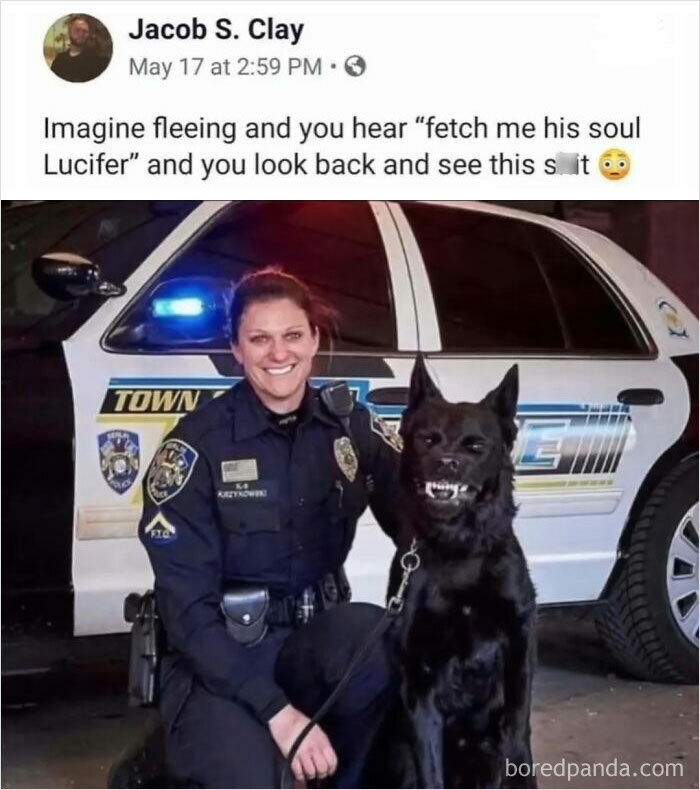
x=614, y=164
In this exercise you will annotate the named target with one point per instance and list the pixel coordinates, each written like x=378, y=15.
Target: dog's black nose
x=450, y=464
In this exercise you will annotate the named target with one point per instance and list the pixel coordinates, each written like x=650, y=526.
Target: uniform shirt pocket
x=249, y=507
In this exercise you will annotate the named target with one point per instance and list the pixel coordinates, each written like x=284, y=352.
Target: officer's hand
x=315, y=758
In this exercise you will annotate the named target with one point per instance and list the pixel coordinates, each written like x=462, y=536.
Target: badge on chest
x=345, y=457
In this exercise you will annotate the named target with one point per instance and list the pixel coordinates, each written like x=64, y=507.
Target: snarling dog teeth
x=443, y=490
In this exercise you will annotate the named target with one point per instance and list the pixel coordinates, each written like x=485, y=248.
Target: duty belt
x=331, y=589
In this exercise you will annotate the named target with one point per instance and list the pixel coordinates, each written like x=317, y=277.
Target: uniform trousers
x=214, y=741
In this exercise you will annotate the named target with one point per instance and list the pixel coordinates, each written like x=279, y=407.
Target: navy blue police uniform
x=236, y=495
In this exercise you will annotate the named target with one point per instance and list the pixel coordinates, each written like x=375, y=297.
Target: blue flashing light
x=183, y=307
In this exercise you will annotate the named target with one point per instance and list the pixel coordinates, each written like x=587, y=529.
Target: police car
x=129, y=333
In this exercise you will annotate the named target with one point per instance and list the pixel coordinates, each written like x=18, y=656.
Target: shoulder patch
x=160, y=530
x=388, y=435
x=170, y=470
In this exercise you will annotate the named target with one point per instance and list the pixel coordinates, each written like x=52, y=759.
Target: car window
x=489, y=290
x=115, y=235
x=594, y=320
x=334, y=246
x=504, y=285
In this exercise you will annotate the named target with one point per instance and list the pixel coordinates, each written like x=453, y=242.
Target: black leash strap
x=410, y=562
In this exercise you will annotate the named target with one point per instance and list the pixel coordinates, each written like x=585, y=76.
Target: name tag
x=258, y=491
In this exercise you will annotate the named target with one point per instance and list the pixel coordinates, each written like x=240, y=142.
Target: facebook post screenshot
x=350, y=393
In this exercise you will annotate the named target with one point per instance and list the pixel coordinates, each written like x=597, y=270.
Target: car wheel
x=650, y=620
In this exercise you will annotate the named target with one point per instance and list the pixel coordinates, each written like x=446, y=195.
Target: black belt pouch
x=244, y=608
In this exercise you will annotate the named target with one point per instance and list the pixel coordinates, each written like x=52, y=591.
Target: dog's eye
x=476, y=446
x=431, y=438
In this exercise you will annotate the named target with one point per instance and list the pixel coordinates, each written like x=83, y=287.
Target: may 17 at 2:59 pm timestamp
x=231, y=67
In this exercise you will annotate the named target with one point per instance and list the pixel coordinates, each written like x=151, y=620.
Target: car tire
x=649, y=620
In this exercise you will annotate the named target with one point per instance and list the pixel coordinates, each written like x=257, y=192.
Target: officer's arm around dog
x=379, y=449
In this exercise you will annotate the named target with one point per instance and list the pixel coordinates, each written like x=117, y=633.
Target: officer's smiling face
x=276, y=347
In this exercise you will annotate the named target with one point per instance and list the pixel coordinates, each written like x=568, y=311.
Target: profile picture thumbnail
x=77, y=47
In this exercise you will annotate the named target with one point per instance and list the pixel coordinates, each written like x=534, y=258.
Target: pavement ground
x=64, y=729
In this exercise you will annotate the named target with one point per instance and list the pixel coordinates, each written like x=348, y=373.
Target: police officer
x=250, y=509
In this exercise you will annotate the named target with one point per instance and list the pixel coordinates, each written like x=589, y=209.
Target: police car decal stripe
x=580, y=447
x=559, y=445
x=148, y=396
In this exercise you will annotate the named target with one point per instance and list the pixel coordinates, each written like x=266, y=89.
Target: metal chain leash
x=410, y=562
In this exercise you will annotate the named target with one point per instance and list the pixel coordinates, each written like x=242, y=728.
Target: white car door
x=599, y=403
x=137, y=367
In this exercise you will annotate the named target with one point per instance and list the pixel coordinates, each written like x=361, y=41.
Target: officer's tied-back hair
x=273, y=283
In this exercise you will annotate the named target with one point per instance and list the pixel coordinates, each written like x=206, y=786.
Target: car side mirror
x=66, y=276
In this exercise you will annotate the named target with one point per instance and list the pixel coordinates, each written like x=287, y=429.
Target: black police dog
x=465, y=640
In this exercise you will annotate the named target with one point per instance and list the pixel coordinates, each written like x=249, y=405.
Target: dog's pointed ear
x=422, y=386
x=504, y=401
